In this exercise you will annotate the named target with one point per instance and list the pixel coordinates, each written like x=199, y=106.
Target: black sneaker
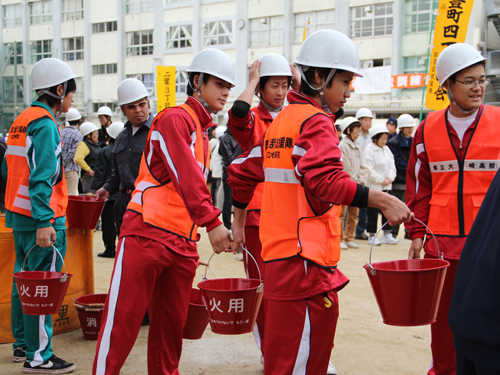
x=107, y=254
x=361, y=236
x=19, y=355
x=54, y=365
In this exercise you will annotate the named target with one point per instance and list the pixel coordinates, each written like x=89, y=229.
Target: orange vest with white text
x=159, y=203
x=17, y=197
x=289, y=227
x=459, y=187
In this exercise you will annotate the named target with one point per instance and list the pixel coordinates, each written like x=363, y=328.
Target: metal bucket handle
x=369, y=264
x=248, y=252
x=54, y=249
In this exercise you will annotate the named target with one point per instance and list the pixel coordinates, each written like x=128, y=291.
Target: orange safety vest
x=17, y=197
x=159, y=203
x=459, y=187
x=260, y=127
x=289, y=227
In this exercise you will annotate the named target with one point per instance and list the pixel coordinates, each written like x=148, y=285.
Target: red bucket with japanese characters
x=89, y=309
x=41, y=292
x=232, y=303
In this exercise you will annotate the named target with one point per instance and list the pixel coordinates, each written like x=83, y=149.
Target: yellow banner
x=451, y=27
x=165, y=87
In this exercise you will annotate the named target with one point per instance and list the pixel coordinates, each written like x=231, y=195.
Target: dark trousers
x=362, y=220
x=228, y=202
x=215, y=185
x=401, y=195
x=373, y=220
x=108, y=226
x=466, y=367
x=119, y=209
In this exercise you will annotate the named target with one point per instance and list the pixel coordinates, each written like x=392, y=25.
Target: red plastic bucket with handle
x=232, y=303
x=407, y=291
x=197, y=319
x=83, y=211
x=89, y=309
x=41, y=292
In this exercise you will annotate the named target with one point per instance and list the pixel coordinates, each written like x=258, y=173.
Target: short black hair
x=453, y=78
x=264, y=80
x=376, y=137
x=351, y=127
x=190, y=85
x=51, y=101
x=75, y=122
x=310, y=76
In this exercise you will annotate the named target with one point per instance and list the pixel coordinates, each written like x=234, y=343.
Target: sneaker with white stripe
x=54, y=365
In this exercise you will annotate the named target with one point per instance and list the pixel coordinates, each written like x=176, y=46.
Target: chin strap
x=450, y=96
x=202, y=100
x=44, y=91
x=264, y=103
x=318, y=89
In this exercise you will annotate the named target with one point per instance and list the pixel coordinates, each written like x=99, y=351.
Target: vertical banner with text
x=452, y=22
x=165, y=87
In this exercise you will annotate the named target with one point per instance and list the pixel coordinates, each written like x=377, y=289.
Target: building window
x=12, y=15
x=140, y=43
x=415, y=64
x=139, y=6
x=72, y=10
x=375, y=63
x=181, y=80
x=104, y=27
x=104, y=69
x=177, y=3
x=96, y=106
x=73, y=48
x=371, y=20
x=266, y=31
x=8, y=90
x=41, y=12
x=418, y=15
x=147, y=79
x=313, y=21
x=40, y=49
x=79, y=95
x=8, y=48
x=180, y=36
x=218, y=33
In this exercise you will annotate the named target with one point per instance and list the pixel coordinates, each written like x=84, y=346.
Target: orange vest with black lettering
x=289, y=227
x=159, y=203
x=17, y=197
x=459, y=187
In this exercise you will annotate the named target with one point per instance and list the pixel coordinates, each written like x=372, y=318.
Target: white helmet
x=73, y=115
x=131, y=90
x=114, y=129
x=364, y=112
x=455, y=58
x=86, y=128
x=105, y=110
x=50, y=72
x=220, y=130
x=344, y=124
x=378, y=129
x=214, y=62
x=406, y=121
x=274, y=64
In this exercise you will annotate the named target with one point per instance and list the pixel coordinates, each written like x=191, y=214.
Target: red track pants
x=147, y=275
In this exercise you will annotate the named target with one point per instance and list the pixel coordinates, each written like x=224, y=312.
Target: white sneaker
x=374, y=241
x=343, y=246
x=388, y=239
x=331, y=369
x=239, y=257
x=353, y=245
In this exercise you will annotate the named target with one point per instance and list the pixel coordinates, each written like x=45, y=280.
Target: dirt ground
x=363, y=344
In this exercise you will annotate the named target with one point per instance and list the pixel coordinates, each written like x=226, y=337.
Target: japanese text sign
x=165, y=87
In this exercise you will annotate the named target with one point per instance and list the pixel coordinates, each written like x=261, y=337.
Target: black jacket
x=103, y=169
x=229, y=149
x=127, y=155
x=401, y=152
x=91, y=158
x=103, y=137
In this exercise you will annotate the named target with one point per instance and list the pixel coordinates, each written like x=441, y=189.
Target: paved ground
x=363, y=344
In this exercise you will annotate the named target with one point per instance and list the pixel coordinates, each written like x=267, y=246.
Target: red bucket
x=197, y=319
x=89, y=309
x=83, y=211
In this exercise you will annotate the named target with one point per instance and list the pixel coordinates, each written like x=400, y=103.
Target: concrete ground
x=363, y=344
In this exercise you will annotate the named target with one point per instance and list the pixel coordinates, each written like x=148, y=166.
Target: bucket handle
x=243, y=248
x=54, y=249
x=369, y=264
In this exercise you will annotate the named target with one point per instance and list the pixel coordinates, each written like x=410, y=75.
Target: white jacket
x=216, y=162
x=380, y=165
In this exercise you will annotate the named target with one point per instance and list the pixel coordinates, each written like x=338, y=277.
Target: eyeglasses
x=472, y=84
x=131, y=107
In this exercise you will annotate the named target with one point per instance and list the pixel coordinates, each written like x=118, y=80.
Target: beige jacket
x=354, y=162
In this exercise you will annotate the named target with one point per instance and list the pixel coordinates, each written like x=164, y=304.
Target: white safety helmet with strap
x=73, y=114
x=50, y=72
x=131, y=90
x=114, y=129
x=272, y=65
x=327, y=49
x=406, y=121
x=363, y=112
x=86, y=128
x=220, y=130
x=378, y=129
x=214, y=62
x=345, y=123
x=104, y=110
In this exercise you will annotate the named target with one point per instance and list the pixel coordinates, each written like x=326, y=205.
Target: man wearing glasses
x=129, y=145
x=454, y=157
